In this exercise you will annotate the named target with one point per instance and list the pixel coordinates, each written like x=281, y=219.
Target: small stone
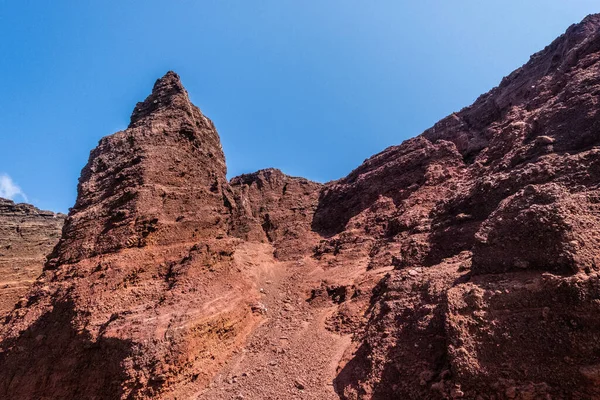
x=521, y=264
x=456, y=393
x=545, y=312
x=544, y=140
x=511, y=392
x=159, y=378
x=426, y=376
x=464, y=217
x=258, y=308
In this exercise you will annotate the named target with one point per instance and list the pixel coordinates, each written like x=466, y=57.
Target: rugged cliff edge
x=27, y=235
x=459, y=264
x=494, y=239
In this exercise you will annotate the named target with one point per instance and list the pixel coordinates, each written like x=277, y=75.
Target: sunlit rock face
x=27, y=235
x=459, y=264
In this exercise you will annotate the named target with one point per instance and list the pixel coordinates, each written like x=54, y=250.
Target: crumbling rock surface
x=148, y=292
x=540, y=227
x=27, y=235
x=460, y=264
x=505, y=298
x=276, y=208
x=159, y=182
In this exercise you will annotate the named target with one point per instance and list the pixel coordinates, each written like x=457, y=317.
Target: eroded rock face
x=540, y=227
x=502, y=301
x=149, y=290
x=524, y=335
x=27, y=235
x=159, y=182
x=144, y=276
x=276, y=208
x=459, y=264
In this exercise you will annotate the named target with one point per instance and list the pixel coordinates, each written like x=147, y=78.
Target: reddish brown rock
x=27, y=235
x=142, y=294
x=276, y=208
x=534, y=334
x=158, y=182
x=459, y=264
x=494, y=324
x=540, y=227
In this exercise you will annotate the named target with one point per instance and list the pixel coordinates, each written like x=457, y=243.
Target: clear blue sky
x=310, y=87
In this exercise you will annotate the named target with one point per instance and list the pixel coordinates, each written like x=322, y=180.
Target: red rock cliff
x=460, y=264
x=27, y=235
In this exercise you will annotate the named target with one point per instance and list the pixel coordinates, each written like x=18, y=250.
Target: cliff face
x=158, y=182
x=27, y=235
x=276, y=208
x=459, y=264
x=148, y=291
x=495, y=291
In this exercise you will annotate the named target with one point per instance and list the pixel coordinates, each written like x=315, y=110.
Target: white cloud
x=9, y=190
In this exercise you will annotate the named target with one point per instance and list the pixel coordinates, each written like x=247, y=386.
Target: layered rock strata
x=27, y=235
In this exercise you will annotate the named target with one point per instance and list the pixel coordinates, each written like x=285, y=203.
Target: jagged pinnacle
x=168, y=92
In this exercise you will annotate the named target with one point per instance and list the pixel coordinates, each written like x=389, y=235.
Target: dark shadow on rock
x=337, y=207
x=359, y=368
x=53, y=360
x=404, y=174
x=395, y=173
x=400, y=351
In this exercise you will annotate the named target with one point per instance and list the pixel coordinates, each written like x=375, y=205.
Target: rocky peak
x=273, y=207
x=9, y=207
x=168, y=93
x=524, y=94
x=469, y=253
x=165, y=173
x=589, y=26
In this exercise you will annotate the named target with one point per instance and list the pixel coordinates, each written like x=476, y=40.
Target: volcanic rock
x=157, y=183
x=506, y=305
x=459, y=264
x=142, y=294
x=276, y=208
x=27, y=235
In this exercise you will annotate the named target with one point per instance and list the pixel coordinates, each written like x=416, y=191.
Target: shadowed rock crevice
x=409, y=316
x=396, y=173
x=502, y=247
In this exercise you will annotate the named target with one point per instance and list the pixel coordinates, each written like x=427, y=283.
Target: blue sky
x=310, y=87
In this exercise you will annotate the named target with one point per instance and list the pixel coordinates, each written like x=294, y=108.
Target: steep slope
x=157, y=279
x=27, y=235
x=496, y=289
x=459, y=264
x=156, y=183
x=142, y=295
x=276, y=208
